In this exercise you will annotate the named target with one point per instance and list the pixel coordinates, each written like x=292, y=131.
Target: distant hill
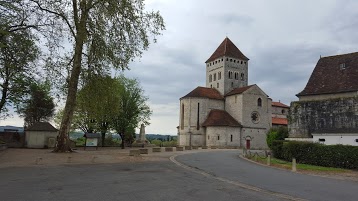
x=12, y=128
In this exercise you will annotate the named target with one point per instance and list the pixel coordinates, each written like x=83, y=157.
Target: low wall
x=3, y=147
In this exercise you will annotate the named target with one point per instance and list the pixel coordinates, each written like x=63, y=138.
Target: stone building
x=228, y=111
x=327, y=110
x=279, y=114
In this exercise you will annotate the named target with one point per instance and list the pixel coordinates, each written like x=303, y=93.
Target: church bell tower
x=227, y=68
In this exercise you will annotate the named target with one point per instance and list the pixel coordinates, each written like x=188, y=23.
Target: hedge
x=339, y=156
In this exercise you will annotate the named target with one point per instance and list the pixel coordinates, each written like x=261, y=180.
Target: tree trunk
x=4, y=95
x=103, y=137
x=122, y=137
x=63, y=143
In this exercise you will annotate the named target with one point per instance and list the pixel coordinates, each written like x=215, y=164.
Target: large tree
x=132, y=109
x=18, y=52
x=39, y=106
x=102, y=33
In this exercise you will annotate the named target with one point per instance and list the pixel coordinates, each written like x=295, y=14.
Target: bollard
x=294, y=165
x=38, y=160
x=269, y=160
x=93, y=159
x=69, y=159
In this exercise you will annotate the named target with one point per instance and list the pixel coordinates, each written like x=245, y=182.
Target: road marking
x=236, y=183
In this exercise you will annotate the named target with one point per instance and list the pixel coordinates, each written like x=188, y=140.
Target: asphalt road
x=125, y=181
x=227, y=165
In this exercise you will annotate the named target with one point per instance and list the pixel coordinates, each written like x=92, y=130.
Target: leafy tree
x=132, y=109
x=279, y=133
x=18, y=52
x=40, y=105
x=103, y=33
x=94, y=105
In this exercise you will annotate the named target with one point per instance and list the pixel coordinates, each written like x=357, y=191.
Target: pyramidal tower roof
x=227, y=48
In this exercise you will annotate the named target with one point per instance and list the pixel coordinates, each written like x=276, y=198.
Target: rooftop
x=227, y=48
x=220, y=118
x=41, y=126
x=238, y=90
x=279, y=121
x=333, y=74
x=205, y=92
x=279, y=104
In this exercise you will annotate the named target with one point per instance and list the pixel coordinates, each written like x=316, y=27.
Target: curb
x=236, y=183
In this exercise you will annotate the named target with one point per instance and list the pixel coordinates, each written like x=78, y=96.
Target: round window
x=255, y=117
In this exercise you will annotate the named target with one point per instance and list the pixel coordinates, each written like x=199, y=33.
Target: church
x=227, y=112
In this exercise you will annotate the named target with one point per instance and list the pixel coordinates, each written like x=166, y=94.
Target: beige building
x=228, y=111
x=41, y=135
x=279, y=114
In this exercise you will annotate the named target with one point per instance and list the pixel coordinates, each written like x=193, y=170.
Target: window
x=218, y=137
x=230, y=60
x=321, y=140
x=356, y=140
x=227, y=59
x=283, y=111
x=235, y=75
x=234, y=61
x=242, y=76
x=259, y=102
x=245, y=62
x=210, y=78
x=241, y=62
x=232, y=84
x=342, y=66
x=222, y=59
x=214, y=76
x=231, y=138
x=182, y=117
x=207, y=65
x=208, y=137
x=211, y=86
x=217, y=85
x=219, y=75
x=216, y=62
x=210, y=64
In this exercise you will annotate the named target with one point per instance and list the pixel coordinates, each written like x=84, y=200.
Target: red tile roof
x=279, y=121
x=220, y=118
x=205, y=93
x=227, y=48
x=328, y=76
x=279, y=104
x=238, y=90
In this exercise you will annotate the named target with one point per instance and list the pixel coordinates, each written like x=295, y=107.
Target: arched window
x=210, y=78
x=283, y=111
x=214, y=76
x=259, y=102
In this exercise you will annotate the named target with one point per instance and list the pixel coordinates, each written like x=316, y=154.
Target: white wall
x=331, y=139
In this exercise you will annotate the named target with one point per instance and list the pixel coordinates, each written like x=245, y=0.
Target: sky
x=282, y=38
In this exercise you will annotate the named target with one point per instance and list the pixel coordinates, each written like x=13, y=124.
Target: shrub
x=172, y=143
x=279, y=133
x=156, y=142
x=339, y=156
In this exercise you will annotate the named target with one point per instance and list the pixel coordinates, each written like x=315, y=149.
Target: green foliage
x=339, y=156
x=131, y=109
x=39, y=106
x=18, y=52
x=157, y=142
x=110, y=141
x=80, y=141
x=279, y=133
x=173, y=143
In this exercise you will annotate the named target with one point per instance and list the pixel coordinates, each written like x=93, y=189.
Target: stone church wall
x=221, y=136
x=306, y=117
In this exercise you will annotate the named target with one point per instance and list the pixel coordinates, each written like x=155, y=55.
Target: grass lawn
x=288, y=165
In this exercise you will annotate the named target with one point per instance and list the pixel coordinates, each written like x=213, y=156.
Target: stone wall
x=221, y=136
x=306, y=117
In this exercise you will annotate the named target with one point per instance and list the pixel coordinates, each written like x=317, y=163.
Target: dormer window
x=342, y=66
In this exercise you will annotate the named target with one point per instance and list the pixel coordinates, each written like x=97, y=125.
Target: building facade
x=327, y=110
x=228, y=111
